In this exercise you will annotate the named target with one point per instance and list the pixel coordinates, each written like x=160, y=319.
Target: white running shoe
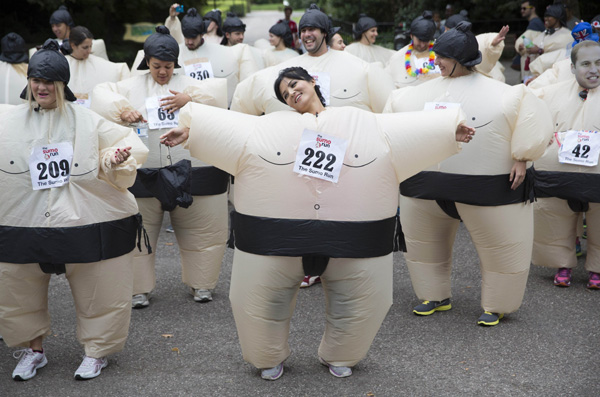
x=338, y=372
x=29, y=364
x=140, y=301
x=201, y=295
x=90, y=367
x=309, y=280
x=272, y=373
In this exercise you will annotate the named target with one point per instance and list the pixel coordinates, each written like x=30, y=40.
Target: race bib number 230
x=50, y=165
x=320, y=155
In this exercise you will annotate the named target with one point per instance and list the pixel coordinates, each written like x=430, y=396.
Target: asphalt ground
x=178, y=347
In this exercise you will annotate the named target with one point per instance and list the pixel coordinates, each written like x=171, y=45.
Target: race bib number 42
x=580, y=148
x=50, y=165
x=320, y=156
x=158, y=117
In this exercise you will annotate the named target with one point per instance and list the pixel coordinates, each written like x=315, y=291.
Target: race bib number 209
x=50, y=165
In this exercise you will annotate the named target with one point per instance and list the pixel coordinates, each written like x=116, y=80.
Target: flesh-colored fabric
x=547, y=60
x=556, y=224
x=257, y=54
x=98, y=48
x=271, y=57
x=231, y=63
x=263, y=293
x=201, y=232
x=174, y=26
x=370, y=53
x=102, y=295
x=86, y=74
x=111, y=99
x=13, y=78
x=212, y=38
x=560, y=71
x=93, y=181
x=549, y=43
x=510, y=122
x=490, y=56
x=502, y=235
x=382, y=150
x=353, y=83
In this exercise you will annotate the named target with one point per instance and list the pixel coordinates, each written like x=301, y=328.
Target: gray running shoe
x=338, y=372
x=140, y=301
x=201, y=295
x=272, y=373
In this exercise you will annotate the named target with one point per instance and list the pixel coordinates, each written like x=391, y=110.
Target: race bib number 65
x=50, y=165
x=158, y=117
x=320, y=155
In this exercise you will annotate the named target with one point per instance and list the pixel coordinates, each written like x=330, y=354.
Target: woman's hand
x=121, y=155
x=517, y=174
x=501, y=36
x=131, y=116
x=533, y=50
x=464, y=133
x=173, y=10
x=175, y=136
x=175, y=102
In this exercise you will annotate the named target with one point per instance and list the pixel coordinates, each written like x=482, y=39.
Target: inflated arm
x=211, y=92
x=109, y=102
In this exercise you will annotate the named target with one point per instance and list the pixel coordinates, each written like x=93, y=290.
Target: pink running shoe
x=594, y=281
x=563, y=277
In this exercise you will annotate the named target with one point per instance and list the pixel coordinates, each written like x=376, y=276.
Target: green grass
x=267, y=7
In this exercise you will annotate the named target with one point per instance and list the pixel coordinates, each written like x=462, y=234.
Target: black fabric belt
x=579, y=189
x=481, y=190
x=206, y=181
x=79, y=244
x=315, y=240
x=298, y=237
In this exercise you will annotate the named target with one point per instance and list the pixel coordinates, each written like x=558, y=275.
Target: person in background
x=365, y=34
x=287, y=12
x=234, y=29
x=280, y=38
x=13, y=69
x=336, y=41
x=214, y=34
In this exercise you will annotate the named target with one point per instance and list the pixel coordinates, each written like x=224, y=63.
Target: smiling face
x=274, y=40
x=313, y=39
x=298, y=94
x=44, y=92
x=61, y=30
x=369, y=36
x=161, y=71
x=587, y=67
x=551, y=22
x=83, y=50
x=234, y=38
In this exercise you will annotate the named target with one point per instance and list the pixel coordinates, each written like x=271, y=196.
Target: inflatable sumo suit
x=271, y=56
x=565, y=190
x=512, y=125
x=423, y=28
x=284, y=219
x=13, y=69
x=231, y=63
x=368, y=53
x=217, y=36
x=551, y=41
x=201, y=229
x=87, y=73
x=349, y=80
x=560, y=70
x=86, y=228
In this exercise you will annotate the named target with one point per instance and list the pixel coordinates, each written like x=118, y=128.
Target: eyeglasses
x=583, y=95
x=526, y=8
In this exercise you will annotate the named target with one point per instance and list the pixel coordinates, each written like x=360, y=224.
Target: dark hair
x=79, y=34
x=295, y=73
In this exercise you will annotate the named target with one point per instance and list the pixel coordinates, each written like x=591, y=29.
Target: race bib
x=323, y=79
x=423, y=63
x=441, y=105
x=320, y=155
x=83, y=100
x=50, y=165
x=199, y=69
x=158, y=117
x=580, y=148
